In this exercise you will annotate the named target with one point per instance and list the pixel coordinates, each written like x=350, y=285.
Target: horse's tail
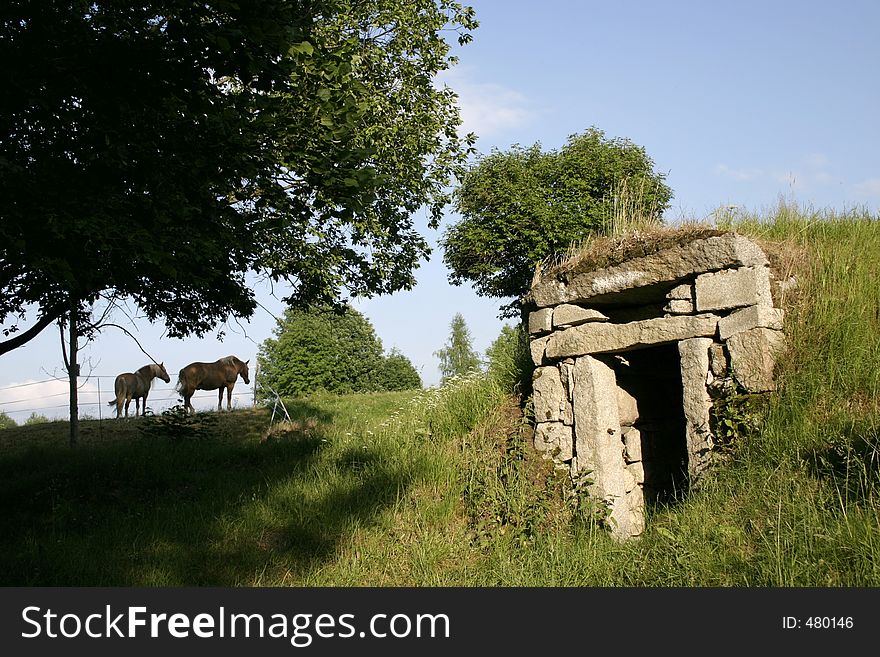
x=178, y=387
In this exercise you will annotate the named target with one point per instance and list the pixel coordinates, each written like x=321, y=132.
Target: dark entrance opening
x=652, y=376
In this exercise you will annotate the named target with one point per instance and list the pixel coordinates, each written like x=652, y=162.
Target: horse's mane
x=147, y=372
x=229, y=360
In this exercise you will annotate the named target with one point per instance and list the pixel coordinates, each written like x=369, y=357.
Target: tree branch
x=129, y=333
x=23, y=338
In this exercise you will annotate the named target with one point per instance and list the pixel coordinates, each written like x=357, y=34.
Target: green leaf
x=665, y=533
x=304, y=48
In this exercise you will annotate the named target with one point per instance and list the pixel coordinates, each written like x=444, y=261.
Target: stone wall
x=628, y=359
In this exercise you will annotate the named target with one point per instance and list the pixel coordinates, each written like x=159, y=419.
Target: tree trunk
x=73, y=373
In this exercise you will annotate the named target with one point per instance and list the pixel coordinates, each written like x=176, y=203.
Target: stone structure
x=629, y=357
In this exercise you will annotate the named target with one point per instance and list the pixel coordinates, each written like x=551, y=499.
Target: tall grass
x=629, y=209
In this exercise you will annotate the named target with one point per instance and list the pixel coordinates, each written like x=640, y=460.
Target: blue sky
x=739, y=103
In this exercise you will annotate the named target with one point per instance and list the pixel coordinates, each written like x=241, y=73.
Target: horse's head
x=162, y=373
x=243, y=371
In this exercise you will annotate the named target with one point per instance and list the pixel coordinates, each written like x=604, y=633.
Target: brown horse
x=137, y=386
x=211, y=376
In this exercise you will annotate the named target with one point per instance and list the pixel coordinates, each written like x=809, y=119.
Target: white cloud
x=738, y=174
x=810, y=173
x=487, y=108
x=870, y=187
x=49, y=398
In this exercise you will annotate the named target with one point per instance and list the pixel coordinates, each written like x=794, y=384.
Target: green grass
x=443, y=488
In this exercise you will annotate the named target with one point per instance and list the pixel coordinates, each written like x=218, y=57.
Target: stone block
x=629, y=481
x=537, y=347
x=669, y=265
x=684, y=292
x=637, y=470
x=733, y=288
x=570, y=315
x=603, y=338
x=541, y=321
x=598, y=441
x=635, y=502
x=752, y=358
x=628, y=407
x=717, y=360
x=550, y=395
x=554, y=439
x=748, y=318
x=694, y=355
x=632, y=445
x=679, y=306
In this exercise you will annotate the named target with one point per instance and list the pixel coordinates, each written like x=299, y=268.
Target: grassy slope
x=442, y=488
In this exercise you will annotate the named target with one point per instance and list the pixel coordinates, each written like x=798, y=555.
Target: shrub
x=510, y=360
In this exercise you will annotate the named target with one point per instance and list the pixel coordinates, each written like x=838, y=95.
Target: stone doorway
x=652, y=420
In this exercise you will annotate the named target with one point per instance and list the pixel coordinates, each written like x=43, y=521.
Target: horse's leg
x=229, y=396
x=127, y=403
x=187, y=404
x=144, y=404
x=118, y=406
x=220, y=399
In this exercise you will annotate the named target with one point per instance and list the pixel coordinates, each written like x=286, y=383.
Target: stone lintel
x=666, y=266
x=605, y=338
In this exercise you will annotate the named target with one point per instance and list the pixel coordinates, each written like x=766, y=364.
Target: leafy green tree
x=160, y=150
x=323, y=348
x=396, y=372
x=524, y=205
x=457, y=357
x=36, y=418
x=7, y=422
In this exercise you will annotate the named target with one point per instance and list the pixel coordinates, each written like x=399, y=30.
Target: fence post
x=256, y=377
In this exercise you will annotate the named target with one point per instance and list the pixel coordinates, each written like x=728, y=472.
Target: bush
x=510, y=360
x=522, y=206
x=396, y=372
x=36, y=418
x=7, y=422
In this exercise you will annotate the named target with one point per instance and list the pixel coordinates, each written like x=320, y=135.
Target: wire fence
x=97, y=397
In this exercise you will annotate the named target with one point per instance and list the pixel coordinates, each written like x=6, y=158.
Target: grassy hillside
x=443, y=488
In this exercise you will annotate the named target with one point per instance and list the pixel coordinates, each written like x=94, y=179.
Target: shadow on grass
x=850, y=459
x=153, y=511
